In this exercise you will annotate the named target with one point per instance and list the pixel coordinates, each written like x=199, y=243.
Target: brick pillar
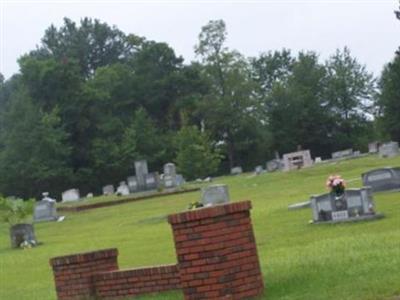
x=217, y=254
x=73, y=273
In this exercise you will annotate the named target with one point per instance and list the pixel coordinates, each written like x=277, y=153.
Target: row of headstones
x=142, y=181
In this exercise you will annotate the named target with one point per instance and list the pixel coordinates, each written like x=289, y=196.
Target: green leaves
x=14, y=211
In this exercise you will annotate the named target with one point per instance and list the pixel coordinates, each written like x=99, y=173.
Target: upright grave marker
x=45, y=210
x=70, y=195
x=382, y=179
x=388, y=150
x=297, y=160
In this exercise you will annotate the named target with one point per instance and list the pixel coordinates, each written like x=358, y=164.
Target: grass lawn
x=299, y=260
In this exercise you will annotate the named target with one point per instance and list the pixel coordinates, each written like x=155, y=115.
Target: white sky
x=368, y=28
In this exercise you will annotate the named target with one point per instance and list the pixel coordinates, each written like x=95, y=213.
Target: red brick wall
x=216, y=250
x=73, y=273
x=120, y=284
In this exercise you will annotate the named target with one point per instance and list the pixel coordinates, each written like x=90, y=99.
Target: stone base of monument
x=21, y=233
x=370, y=217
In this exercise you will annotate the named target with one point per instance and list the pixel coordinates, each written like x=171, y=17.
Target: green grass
x=299, y=260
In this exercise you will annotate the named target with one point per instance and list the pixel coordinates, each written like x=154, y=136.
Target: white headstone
x=236, y=170
x=70, y=195
x=215, y=194
x=123, y=189
x=108, y=189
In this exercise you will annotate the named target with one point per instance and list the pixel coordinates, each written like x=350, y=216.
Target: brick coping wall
x=124, y=283
x=217, y=254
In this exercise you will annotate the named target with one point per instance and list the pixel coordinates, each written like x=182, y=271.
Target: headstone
x=45, y=210
x=297, y=160
x=382, y=179
x=258, y=170
x=179, y=180
x=274, y=165
x=89, y=195
x=123, y=189
x=20, y=233
x=141, y=172
x=70, y=195
x=214, y=194
x=318, y=160
x=356, y=153
x=132, y=184
x=169, y=177
x=236, y=170
x=108, y=189
x=353, y=204
x=390, y=149
x=342, y=154
x=207, y=179
x=373, y=147
x=152, y=181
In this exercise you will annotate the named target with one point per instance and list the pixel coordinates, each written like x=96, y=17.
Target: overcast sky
x=368, y=28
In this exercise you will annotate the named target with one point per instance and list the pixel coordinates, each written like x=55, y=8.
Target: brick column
x=73, y=273
x=216, y=250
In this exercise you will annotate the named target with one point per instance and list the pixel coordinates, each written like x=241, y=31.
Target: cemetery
x=124, y=247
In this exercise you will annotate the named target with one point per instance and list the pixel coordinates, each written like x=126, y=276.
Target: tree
x=34, y=155
x=297, y=113
x=93, y=44
x=195, y=154
x=350, y=90
x=389, y=99
x=229, y=111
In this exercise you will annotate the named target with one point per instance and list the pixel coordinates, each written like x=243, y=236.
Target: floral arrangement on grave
x=17, y=213
x=336, y=184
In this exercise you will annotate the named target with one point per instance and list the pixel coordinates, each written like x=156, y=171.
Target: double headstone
x=214, y=194
x=297, y=160
x=382, y=179
x=70, y=195
x=352, y=205
x=390, y=149
x=45, y=210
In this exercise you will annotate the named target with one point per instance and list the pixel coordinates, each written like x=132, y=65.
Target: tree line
x=90, y=100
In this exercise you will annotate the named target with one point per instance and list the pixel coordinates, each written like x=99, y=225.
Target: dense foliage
x=90, y=100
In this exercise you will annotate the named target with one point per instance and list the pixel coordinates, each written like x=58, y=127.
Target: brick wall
x=216, y=252
x=120, y=284
x=73, y=273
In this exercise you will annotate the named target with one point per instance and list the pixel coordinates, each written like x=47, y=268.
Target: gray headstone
x=390, y=149
x=342, y=154
x=383, y=179
x=123, y=189
x=108, y=189
x=132, y=184
x=141, y=172
x=215, y=194
x=20, y=233
x=45, y=211
x=89, y=195
x=274, y=165
x=236, y=170
x=373, y=147
x=354, y=203
x=318, y=160
x=179, y=180
x=170, y=169
x=70, y=195
x=152, y=181
x=258, y=170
